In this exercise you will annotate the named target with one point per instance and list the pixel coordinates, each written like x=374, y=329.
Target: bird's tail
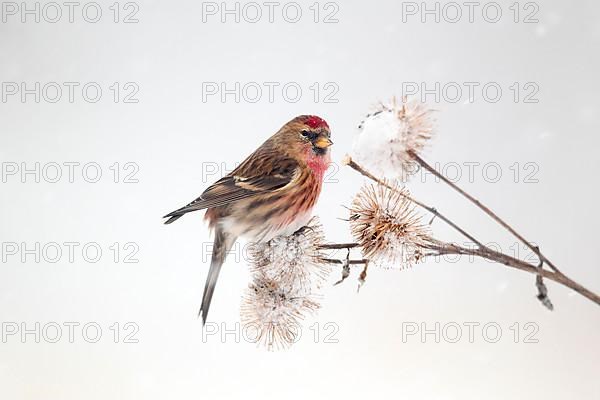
x=172, y=218
x=223, y=243
x=175, y=215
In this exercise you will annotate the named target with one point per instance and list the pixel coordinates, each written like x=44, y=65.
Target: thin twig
x=442, y=248
x=337, y=246
x=542, y=290
x=483, y=207
x=340, y=262
x=482, y=250
x=352, y=164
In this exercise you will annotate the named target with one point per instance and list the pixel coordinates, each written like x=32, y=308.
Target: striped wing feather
x=244, y=182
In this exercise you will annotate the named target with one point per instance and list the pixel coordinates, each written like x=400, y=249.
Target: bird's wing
x=240, y=184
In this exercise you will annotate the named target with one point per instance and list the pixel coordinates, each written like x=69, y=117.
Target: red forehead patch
x=316, y=122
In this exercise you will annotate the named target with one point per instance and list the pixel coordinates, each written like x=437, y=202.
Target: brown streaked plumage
x=271, y=193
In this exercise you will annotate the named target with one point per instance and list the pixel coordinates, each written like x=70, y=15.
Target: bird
x=271, y=193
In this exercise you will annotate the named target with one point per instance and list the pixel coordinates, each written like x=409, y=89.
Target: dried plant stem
x=481, y=250
x=483, y=207
x=337, y=246
x=340, y=246
x=539, y=283
x=340, y=262
x=348, y=161
x=442, y=248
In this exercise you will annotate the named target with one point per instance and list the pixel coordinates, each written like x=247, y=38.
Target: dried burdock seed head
x=287, y=272
x=271, y=315
x=383, y=221
x=389, y=134
x=295, y=262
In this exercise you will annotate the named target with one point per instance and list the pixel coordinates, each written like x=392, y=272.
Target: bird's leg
x=302, y=230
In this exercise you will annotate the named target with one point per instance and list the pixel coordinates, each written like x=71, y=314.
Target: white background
x=175, y=138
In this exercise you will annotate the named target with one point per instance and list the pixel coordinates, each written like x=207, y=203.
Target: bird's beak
x=323, y=142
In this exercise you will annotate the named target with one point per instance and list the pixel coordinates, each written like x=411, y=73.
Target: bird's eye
x=308, y=134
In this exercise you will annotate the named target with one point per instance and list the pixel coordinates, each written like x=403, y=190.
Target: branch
x=340, y=262
x=482, y=250
x=539, y=283
x=337, y=246
x=348, y=161
x=484, y=208
x=442, y=248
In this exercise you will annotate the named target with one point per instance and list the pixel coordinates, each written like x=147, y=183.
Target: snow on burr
x=288, y=273
x=389, y=134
